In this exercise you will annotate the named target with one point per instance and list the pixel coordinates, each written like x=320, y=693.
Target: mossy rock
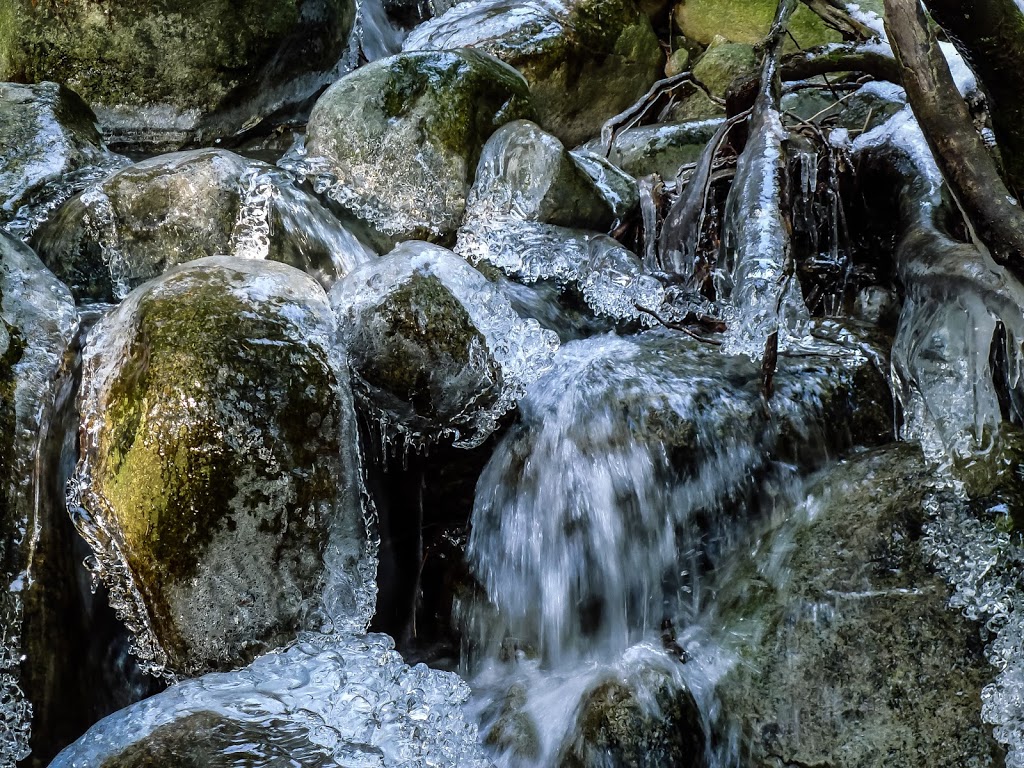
x=46, y=132
x=171, y=209
x=661, y=148
x=724, y=62
x=616, y=728
x=219, y=453
x=167, y=72
x=436, y=351
x=585, y=60
x=527, y=172
x=748, y=21
x=213, y=740
x=400, y=138
x=859, y=660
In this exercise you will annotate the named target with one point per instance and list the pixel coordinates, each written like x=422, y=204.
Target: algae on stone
x=167, y=71
x=585, y=60
x=220, y=468
x=748, y=21
x=397, y=141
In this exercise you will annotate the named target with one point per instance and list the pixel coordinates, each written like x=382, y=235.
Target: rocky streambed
x=580, y=383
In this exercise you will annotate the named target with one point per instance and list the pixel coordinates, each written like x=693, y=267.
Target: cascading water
x=636, y=465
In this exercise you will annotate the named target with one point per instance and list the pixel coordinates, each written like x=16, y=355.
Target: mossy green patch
x=207, y=430
x=748, y=21
x=189, y=53
x=722, y=63
x=417, y=338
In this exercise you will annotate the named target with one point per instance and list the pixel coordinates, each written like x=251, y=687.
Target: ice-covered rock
x=46, y=132
x=396, y=142
x=38, y=323
x=220, y=479
x=631, y=451
x=436, y=350
x=526, y=172
x=326, y=701
x=659, y=149
x=585, y=60
x=170, y=72
x=170, y=209
x=860, y=662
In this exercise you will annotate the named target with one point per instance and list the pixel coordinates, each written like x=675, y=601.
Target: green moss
x=8, y=39
x=135, y=53
x=722, y=63
x=475, y=96
x=203, y=378
x=427, y=335
x=748, y=21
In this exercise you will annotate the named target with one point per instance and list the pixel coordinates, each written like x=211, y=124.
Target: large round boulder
x=399, y=139
x=585, y=60
x=220, y=474
x=46, y=132
x=170, y=209
x=436, y=350
x=173, y=71
x=857, y=657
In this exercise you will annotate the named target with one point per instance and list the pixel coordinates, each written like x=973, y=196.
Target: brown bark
x=990, y=35
x=965, y=163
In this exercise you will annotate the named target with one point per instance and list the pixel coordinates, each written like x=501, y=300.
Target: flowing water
x=638, y=473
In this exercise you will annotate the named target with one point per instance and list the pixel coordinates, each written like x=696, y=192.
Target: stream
x=457, y=384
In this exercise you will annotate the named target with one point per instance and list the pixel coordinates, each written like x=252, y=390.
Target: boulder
x=171, y=209
x=748, y=21
x=724, y=62
x=170, y=72
x=858, y=660
x=527, y=172
x=220, y=474
x=585, y=60
x=38, y=324
x=46, y=132
x=436, y=350
x=621, y=727
x=396, y=142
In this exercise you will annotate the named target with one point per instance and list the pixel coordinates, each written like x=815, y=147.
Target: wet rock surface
x=171, y=209
x=38, y=324
x=398, y=140
x=529, y=173
x=585, y=61
x=220, y=469
x=245, y=61
x=858, y=660
x=436, y=350
x=618, y=728
x=46, y=132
